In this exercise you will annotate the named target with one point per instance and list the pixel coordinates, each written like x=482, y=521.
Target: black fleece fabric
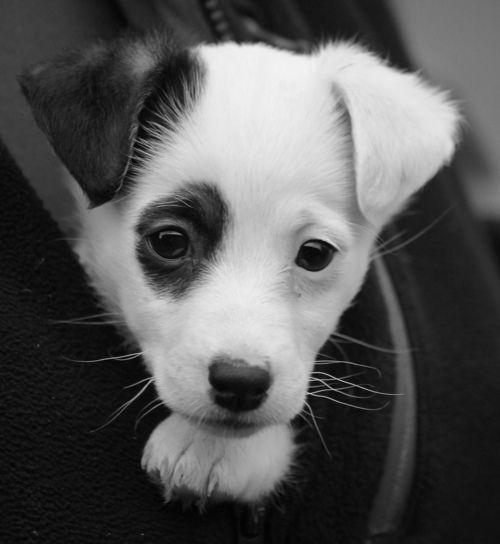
x=449, y=290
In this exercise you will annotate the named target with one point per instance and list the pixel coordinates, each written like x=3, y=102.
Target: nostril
x=238, y=386
x=238, y=377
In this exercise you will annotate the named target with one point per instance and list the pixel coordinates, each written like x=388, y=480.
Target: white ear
x=403, y=130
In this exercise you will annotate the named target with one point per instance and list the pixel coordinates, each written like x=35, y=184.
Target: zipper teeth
x=218, y=20
x=220, y=24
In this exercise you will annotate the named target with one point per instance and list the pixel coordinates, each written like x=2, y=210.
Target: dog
x=228, y=199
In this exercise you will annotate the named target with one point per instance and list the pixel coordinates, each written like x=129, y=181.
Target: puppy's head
x=235, y=195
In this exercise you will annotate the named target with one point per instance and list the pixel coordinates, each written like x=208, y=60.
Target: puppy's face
x=239, y=255
x=243, y=230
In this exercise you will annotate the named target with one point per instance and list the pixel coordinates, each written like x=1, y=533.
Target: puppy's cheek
x=282, y=408
x=153, y=319
x=157, y=324
x=320, y=313
x=288, y=392
x=319, y=325
x=181, y=379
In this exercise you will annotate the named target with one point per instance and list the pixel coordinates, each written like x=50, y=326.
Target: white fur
x=268, y=130
x=404, y=130
x=192, y=459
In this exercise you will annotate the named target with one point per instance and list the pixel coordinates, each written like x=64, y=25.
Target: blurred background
x=457, y=44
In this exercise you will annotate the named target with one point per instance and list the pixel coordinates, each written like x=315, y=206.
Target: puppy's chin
x=230, y=425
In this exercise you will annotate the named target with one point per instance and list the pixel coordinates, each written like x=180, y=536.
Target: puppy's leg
x=191, y=463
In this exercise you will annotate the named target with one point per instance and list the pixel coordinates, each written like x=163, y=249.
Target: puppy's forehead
x=264, y=125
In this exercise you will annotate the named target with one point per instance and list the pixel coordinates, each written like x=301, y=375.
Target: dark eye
x=170, y=244
x=314, y=255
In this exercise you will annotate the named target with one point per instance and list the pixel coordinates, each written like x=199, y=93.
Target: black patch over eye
x=171, y=244
x=179, y=235
x=315, y=255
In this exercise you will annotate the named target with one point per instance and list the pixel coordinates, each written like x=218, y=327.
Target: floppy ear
x=93, y=104
x=402, y=129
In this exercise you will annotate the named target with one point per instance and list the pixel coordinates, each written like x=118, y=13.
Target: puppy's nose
x=237, y=385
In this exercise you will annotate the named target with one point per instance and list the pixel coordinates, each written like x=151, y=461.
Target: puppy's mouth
x=233, y=425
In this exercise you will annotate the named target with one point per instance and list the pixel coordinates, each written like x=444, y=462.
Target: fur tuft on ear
x=403, y=130
x=92, y=104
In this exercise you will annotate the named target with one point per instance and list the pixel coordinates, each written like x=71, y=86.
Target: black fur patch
x=175, y=88
x=201, y=211
x=93, y=104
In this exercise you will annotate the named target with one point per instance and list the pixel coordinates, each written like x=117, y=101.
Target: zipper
x=217, y=20
x=250, y=522
x=228, y=24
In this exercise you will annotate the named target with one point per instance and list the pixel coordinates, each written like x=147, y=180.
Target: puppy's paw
x=192, y=464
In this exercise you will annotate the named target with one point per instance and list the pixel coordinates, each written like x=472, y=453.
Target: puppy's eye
x=314, y=255
x=169, y=244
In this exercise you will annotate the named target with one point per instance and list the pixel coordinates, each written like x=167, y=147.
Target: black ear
x=95, y=104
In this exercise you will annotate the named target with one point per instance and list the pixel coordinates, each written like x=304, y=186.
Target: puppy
x=230, y=198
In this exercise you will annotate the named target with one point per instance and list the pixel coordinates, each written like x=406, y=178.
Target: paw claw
x=193, y=466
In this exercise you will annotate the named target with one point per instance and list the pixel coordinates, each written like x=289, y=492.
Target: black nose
x=237, y=385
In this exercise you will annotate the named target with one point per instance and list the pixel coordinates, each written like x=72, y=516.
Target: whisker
x=144, y=412
x=316, y=426
x=347, y=338
x=337, y=346
x=150, y=378
x=415, y=236
x=156, y=399
x=324, y=382
x=357, y=386
x=365, y=408
x=335, y=378
x=304, y=418
x=96, y=319
x=342, y=391
x=85, y=317
x=119, y=411
x=69, y=239
x=384, y=243
x=127, y=357
x=330, y=377
x=347, y=386
x=336, y=361
x=107, y=322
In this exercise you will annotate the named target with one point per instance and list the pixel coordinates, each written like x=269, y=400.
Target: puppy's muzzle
x=238, y=386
